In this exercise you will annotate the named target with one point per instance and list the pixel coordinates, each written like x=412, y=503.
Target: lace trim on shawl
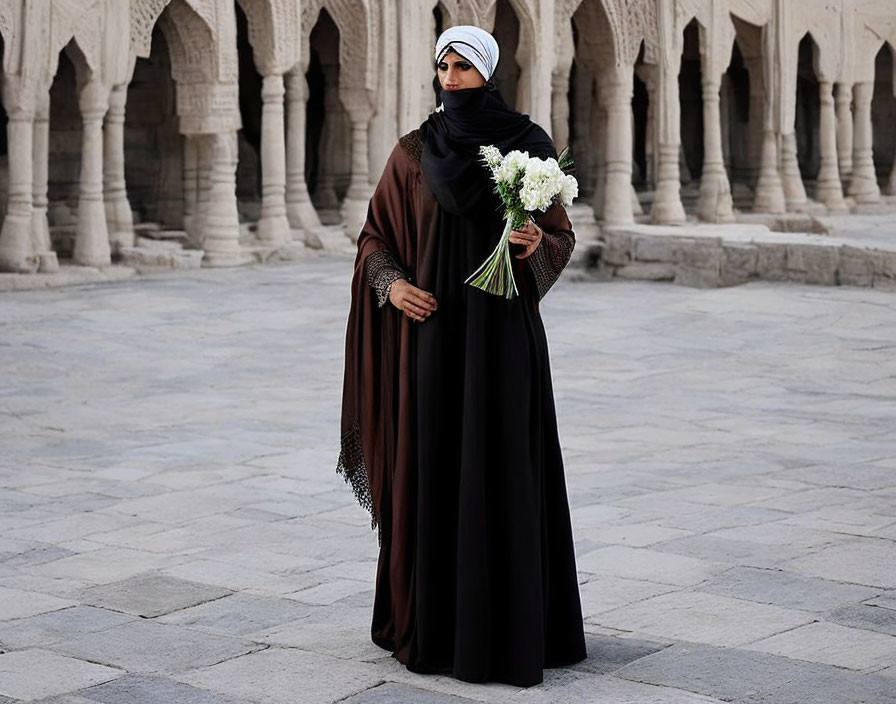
x=412, y=143
x=382, y=272
x=352, y=468
x=550, y=258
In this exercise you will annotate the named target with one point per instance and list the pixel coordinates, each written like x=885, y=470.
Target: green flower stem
x=495, y=275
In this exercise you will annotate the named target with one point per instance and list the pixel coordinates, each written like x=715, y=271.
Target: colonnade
x=338, y=82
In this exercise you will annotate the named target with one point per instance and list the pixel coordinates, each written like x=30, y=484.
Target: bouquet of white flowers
x=525, y=184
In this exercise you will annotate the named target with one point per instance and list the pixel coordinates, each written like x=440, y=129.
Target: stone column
x=273, y=227
x=616, y=92
x=119, y=219
x=191, y=190
x=354, y=208
x=714, y=203
x=891, y=183
x=16, y=245
x=792, y=179
x=667, y=208
x=560, y=108
x=220, y=219
x=40, y=162
x=843, y=102
x=92, y=235
x=769, y=188
x=829, y=190
x=863, y=186
x=299, y=210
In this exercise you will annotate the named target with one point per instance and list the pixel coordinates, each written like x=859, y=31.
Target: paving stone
x=275, y=676
x=337, y=630
x=139, y=689
x=33, y=674
x=569, y=686
x=741, y=676
x=239, y=614
x=151, y=594
x=887, y=600
x=38, y=556
x=833, y=644
x=871, y=563
x=641, y=563
x=739, y=552
x=150, y=647
x=57, y=625
x=787, y=589
x=871, y=618
x=18, y=603
x=606, y=592
x=608, y=653
x=702, y=618
x=394, y=693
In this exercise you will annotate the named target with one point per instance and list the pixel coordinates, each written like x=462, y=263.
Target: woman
x=449, y=432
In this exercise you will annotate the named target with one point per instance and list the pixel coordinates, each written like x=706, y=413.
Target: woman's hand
x=529, y=235
x=414, y=302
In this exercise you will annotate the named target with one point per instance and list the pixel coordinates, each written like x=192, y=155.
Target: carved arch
x=274, y=34
x=356, y=34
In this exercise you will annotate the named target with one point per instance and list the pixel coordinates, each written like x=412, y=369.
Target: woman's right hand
x=414, y=302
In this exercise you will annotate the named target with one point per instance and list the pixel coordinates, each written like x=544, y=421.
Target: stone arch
x=251, y=55
x=64, y=147
x=593, y=55
x=273, y=33
x=808, y=109
x=742, y=101
x=642, y=120
x=154, y=153
x=883, y=117
x=508, y=33
x=327, y=146
x=690, y=92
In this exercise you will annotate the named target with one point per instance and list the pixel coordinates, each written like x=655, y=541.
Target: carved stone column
x=714, y=203
x=863, y=186
x=16, y=245
x=616, y=93
x=299, y=210
x=40, y=162
x=354, y=208
x=220, y=219
x=843, y=102
x=792, y=180
x=273, y=226
x=92, y=235
x=560, y=108
x=829, y=190
x=769, y=188
x=192, y=219
x=119, y=219
x=667, y=208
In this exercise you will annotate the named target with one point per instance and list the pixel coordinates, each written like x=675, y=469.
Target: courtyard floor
x=172, y=530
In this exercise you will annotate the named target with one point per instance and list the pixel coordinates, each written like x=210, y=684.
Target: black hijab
x=469, y=119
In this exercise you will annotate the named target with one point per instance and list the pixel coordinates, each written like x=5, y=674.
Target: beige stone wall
x=262, y=123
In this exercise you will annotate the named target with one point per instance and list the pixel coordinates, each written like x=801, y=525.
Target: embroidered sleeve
x=550, y=258
x=382, y=272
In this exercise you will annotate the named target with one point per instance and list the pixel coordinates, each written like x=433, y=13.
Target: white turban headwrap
x=476, y=45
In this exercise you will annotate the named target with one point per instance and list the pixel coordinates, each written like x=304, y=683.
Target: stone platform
x=172, y=529
x=853, y=250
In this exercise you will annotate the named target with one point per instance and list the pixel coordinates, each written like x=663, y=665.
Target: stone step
x=856, y=253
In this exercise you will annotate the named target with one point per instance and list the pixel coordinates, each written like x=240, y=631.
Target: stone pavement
x=172, y=530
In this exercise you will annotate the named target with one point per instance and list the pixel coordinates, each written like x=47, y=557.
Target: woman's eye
x=443, y=66
x=464, y=66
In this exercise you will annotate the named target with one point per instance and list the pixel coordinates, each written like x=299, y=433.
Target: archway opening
x=153, y=145
x=64, y=152
x=4, y=149
x=583, y=118
x=440, y=17
x=327, y=131
x=743, y=92
x=248, y=172
x=883, y=117
x=641, y=170
x=808, y=113
x=507, y=33
x=690, y=91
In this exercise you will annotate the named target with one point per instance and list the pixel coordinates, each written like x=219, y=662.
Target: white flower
x=491, y=155
x=542, y=181
x=569, y=189
x=513, y=163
